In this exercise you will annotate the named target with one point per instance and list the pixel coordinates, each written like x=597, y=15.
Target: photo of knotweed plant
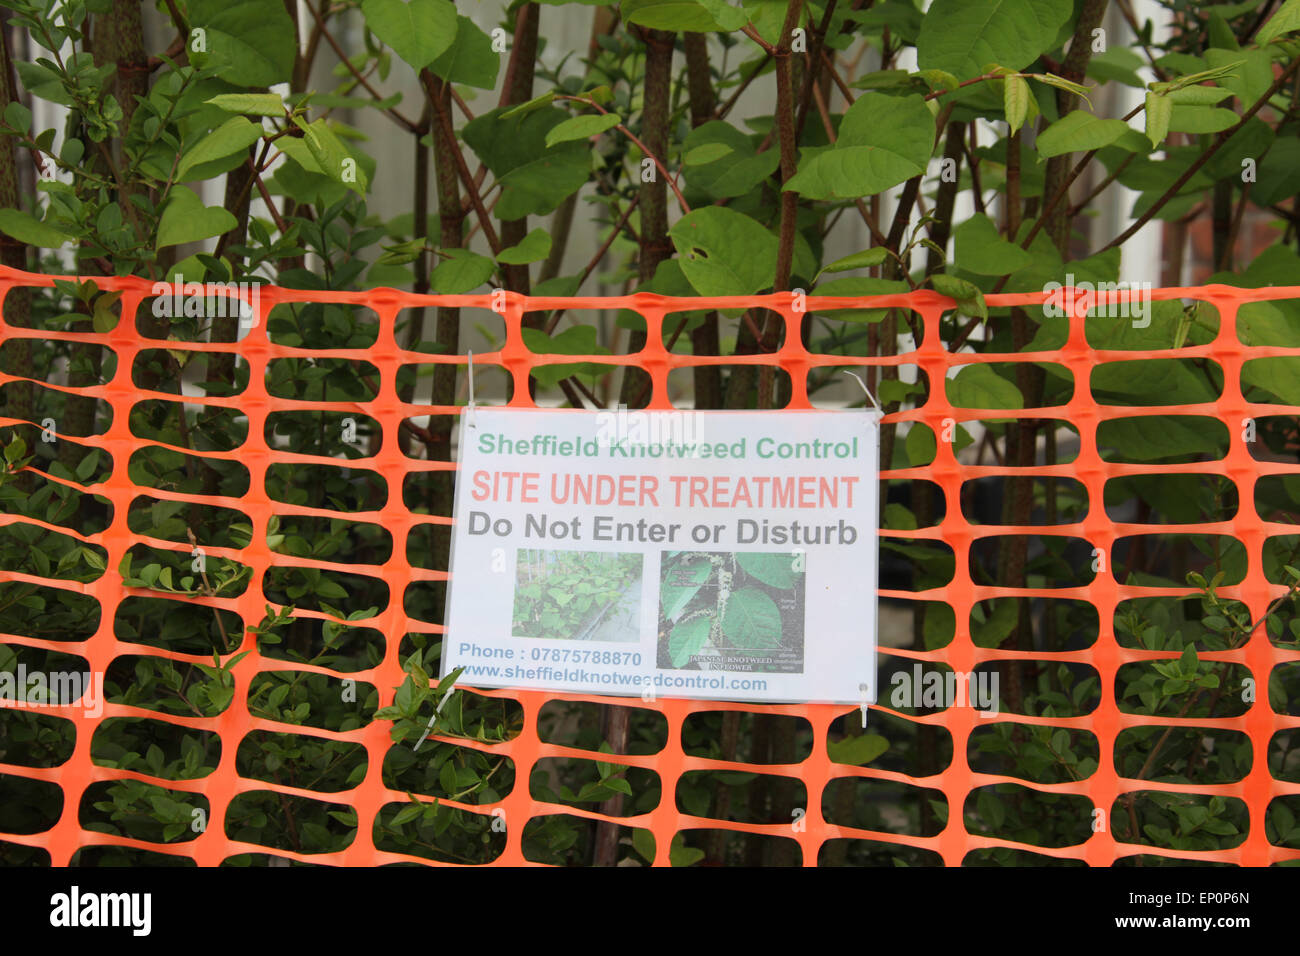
x=577, y=595
x=731, y=611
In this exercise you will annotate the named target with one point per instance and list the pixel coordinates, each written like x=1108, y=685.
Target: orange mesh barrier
x=956, y=781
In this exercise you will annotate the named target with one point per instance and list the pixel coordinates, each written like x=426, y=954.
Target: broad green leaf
x=1015, y=101
x=581, y=128
x=1250, y=78
x=463, y=271
x=686, y=576
x=1151, y=382
x=998, y=624
x=532, y=248
x=1269, y=323
x=1077, y=132
x=686, y=639
x=249, y=104
x=186, y=219
x=752, y=621
x=1151, y=437
x=1279, y=376
x=1117, y=63
x=1286, y=20
x=883, y=140
x=963, y=36
x=534, y=179
x=536, y=103
x=859, y=286
x=418, y=31
x=19, y=225
x=704, y=16
x=978, y=386
x=18, y=117
x=1199, y=96
x=1201, y=119
x=724, y=252
x=578, y=340
x=249, y=42
x=1159, y=111
x=920, y=446
x=969, y=299
x=721, y=161
x=231, y=139
x=332, y=157
x=703, y=155
x=774, y=570
x=857, y=750
x=469, y=59
x=978, y=248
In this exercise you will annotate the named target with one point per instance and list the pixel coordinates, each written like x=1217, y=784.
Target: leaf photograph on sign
x=720, y=610
x=577, y=595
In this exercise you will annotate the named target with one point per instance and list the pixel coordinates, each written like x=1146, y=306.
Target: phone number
x=566, y=656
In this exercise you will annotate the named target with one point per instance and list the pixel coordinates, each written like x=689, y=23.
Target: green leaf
x=1201, y=119
x=708, y=153
x=704, y=16
x=978, y=386
x=332, y=157
x=859, y=260
x=1078, y=89
x=679, y=854
x=1159, y=111
x=752, y=621
x=962, y=36
x=534, y=179
x=406, y=814
x=581, y=128
x=532, y=248
x=186, y=219
x=859, y=286
x=1015, y=101
x=721, y=161
x=19, y=225
x=774, y=570
x=419, y=31
x=978, y=248
x=249, y=42
x=686, y=639
x=1285, y=20
x=857, y=750
x=883, y=140
x=1077, y=132
x=1199, y=95
x=231, y=139
x=469, y=59
x=643, y=841
x=578, y=340
x=1157, y=436
x=249, y=104
x=724, y=252
x=969, y=299
x=18, y=117
x=14, y=452
x=460, y=272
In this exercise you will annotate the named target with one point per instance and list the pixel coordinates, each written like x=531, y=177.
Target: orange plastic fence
x=1260, y=722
